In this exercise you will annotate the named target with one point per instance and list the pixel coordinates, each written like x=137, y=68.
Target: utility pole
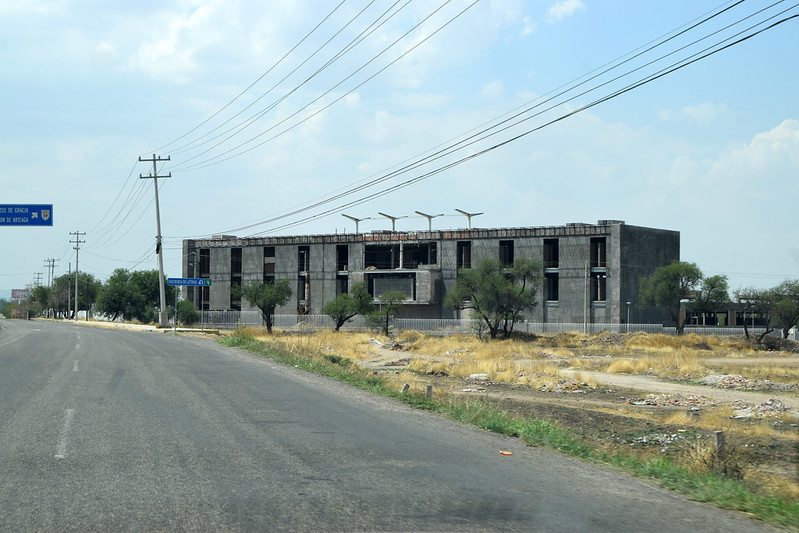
x=163, y=316
x=37, y=279
x=50, y=265
x=77, y=242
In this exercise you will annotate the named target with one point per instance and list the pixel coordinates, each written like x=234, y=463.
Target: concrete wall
x=631, y=253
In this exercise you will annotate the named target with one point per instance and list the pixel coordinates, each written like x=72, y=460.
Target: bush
x=187, y=314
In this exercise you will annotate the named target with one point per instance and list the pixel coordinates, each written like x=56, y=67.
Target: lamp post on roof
x=356, y=220
x=468, y=216
x=392, y=219
x=429, y=219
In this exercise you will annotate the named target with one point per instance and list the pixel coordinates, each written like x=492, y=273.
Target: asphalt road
x=108, y=430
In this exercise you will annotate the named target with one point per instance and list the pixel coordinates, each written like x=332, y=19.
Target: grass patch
x=319, y=356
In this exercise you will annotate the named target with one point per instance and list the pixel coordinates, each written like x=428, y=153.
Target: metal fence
x=234, y=319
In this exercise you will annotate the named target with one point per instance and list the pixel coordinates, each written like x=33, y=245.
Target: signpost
x=26, y=214
x=190, y=282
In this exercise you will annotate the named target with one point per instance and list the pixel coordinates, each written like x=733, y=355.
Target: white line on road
x=75, y=366
x=61, y=448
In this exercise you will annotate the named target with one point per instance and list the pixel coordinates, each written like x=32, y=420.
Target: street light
x=628, y=316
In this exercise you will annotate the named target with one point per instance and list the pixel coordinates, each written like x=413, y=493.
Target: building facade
x=591, y=271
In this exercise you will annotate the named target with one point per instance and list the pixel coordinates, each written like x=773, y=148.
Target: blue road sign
x=194, y=282
x=26, y=215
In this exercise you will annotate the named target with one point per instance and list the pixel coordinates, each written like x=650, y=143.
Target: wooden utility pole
x=163, y=315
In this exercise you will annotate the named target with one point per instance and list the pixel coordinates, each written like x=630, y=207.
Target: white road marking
x=61, y=448
x=75, y=366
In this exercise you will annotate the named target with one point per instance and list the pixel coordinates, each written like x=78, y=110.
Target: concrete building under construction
x=591, y=271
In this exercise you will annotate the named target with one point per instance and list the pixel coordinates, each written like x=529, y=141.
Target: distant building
x=591, y=271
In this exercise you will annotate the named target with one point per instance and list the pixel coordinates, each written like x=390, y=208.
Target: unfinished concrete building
x=591, y=271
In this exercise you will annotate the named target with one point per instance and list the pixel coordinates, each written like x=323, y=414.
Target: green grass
x=706, y=487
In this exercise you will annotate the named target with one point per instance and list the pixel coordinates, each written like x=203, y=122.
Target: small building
x=591, y=271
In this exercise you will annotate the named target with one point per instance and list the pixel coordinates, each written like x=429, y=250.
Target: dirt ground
x=620, y=410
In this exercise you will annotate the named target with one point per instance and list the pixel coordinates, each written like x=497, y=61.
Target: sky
x=279, y=117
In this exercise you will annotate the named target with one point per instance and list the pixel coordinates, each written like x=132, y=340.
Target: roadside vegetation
x=731, y=477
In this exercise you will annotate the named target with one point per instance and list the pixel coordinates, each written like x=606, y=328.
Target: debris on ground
x=390, y=344
x=664, y=440
x=398, y=362
x=565, y=385
x=739, y=382
x=674, y=400
x=771, y=408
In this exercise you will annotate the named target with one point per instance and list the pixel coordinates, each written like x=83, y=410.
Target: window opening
x=551, y=253
x=464, y=251
x=506, y=253
x=551, y=288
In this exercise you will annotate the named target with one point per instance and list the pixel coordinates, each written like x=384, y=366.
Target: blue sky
x=710, y=150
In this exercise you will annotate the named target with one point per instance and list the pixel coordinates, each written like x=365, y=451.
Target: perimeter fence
x=444, y=326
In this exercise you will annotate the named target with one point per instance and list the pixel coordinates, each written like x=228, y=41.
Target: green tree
x=785, y=305
x=668, y=286
x=498, y=295
x=346, y=306
x=62, y=290
x=133, y=296
x=389, y=307
x=115, y=295
x=267, y=296
x=714, y=293
x=41, y=298
x=755, y=301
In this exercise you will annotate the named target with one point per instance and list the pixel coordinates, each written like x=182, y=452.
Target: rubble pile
x=771, y=408
x=664, y=440
x=565, y=386
x=737, y=381
x=673, y=400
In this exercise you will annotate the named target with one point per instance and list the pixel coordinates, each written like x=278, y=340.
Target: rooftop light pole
x=392, y=219
x=356, y=220
x=468, y=216
x=429, y=219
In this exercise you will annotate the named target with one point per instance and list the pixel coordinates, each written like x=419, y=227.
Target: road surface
x=108, y=430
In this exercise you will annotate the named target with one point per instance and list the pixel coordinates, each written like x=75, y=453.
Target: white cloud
x=172, y=56
x=493, y=89
x=530, y=26
x=563, y=9
x=703, y=114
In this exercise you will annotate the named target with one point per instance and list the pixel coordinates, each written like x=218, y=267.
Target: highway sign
x=26, y=214
x=193, y=282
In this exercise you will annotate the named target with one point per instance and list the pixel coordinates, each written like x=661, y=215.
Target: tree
x=133, y=295
x=346, y=306
x=41, y=297
x=267, y=296
x=498, y=295
x=114, y=298
x=668, y=286
x=390, y=306
x=755, y=301
x=713, y=294
x=785, y=305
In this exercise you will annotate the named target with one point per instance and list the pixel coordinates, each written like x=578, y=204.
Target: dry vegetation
x=526, y=376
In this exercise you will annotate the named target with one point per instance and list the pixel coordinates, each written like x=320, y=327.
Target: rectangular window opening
x=464, y=252
x=551, y=253
x=598, y=253
x=506, y=253
x=551, y=289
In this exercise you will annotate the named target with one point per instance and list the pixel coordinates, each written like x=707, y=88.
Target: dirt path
x=654, y=385
x=641, y=383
